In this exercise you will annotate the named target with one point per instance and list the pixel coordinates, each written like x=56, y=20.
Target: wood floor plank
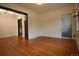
x=40, y=46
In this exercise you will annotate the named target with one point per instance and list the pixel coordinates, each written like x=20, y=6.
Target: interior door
x=19, y=27
x=67, y=26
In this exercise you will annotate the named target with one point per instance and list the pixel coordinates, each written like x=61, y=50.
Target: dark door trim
x=20, y=33
x=20, y=12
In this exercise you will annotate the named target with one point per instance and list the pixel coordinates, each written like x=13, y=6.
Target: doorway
x=20, y=32
x=67, y=26
x=19, y=27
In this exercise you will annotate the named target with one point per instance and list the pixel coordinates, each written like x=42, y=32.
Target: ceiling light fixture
x=39, y=3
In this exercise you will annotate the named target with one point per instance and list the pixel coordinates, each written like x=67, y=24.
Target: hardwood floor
x=40, y=46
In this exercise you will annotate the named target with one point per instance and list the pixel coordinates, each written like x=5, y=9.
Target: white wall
x=50, y=23
x=23, y=26
x=8, y=25
x=33, y=26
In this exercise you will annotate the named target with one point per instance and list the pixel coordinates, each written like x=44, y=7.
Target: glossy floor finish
x=40, y=46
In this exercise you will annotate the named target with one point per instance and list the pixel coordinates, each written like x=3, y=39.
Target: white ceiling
x=45, y=7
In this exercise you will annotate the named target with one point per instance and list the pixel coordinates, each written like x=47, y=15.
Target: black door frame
x=20, y=12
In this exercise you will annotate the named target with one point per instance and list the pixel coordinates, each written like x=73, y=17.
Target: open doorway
x=22, y=26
